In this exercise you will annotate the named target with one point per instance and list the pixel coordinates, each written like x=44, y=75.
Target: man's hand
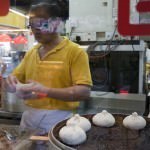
x=31, y=90
x=10, y=83
x=37, y=87
x=26, y=95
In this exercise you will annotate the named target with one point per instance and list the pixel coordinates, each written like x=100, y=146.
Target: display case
x=13, y=46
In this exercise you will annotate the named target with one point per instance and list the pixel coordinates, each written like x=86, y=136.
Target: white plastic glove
x=31, y=90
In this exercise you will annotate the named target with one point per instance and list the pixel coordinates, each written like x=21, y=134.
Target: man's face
x=44, y=27
x=50, y=25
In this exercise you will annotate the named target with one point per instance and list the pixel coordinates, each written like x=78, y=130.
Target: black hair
x=56, y=8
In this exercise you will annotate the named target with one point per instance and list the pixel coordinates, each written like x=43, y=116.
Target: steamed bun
x=134, y=122
x=103, y=119
x=80, y=121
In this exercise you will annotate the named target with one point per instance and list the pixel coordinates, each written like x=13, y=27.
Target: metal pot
x=10, y=102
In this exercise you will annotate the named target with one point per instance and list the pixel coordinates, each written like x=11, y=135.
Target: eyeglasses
x=50, y=25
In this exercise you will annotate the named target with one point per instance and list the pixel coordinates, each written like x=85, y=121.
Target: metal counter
x=114, y=103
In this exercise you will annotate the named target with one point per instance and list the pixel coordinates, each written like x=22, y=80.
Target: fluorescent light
x=2, y=30
x=18, y=13
x=84, y=46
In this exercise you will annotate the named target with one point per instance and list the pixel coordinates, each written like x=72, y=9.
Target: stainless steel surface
x=8, y=114
x=141, y=71
x=9, y=121
x=10, y=118
x=10, y=102
x=114, y=103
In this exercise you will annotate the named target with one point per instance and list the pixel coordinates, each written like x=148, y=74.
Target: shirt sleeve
x=80, y=69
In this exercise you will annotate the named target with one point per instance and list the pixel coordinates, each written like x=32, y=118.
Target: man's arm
x=73, y=93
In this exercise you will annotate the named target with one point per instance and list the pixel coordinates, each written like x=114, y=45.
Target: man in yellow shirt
x=56, y=69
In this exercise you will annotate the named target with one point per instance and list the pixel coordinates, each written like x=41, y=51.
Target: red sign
x=4, y=7
x=124, y=25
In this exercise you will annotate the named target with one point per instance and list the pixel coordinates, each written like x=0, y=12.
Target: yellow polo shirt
x=64, y=66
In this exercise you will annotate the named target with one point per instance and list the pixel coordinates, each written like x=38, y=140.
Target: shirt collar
x=59, y=47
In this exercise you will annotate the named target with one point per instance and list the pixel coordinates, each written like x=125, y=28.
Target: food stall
x=114, y=89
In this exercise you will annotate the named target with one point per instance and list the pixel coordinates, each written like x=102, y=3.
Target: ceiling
x=23, y=5
x=23, y=2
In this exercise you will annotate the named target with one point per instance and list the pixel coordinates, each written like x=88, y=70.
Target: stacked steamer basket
x=107, y=138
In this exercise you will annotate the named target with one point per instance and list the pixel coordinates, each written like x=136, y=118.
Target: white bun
x=134, y=122
x=72, y=135
x=103, y=119
x=80, y=121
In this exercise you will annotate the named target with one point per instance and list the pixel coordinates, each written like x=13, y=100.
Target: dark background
x=24, y=5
